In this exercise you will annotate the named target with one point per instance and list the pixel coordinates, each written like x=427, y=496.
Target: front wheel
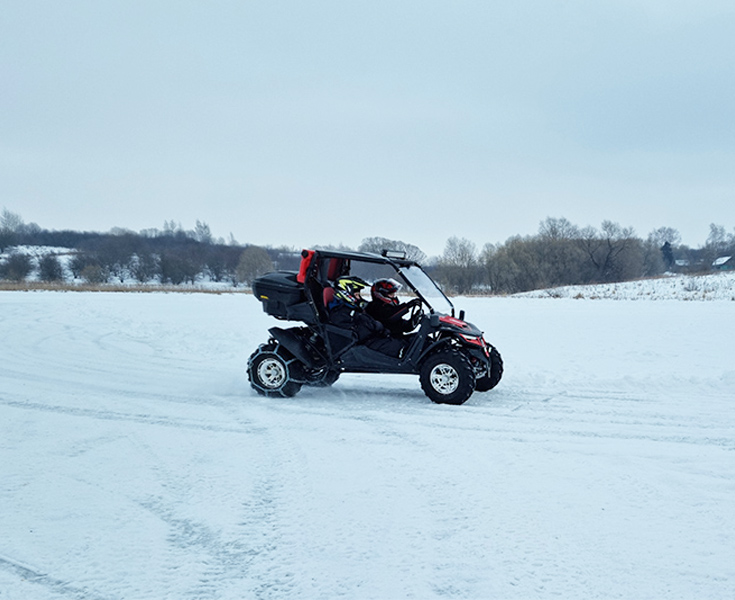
x=270, y=372
x=495, y=372
x=447, y=377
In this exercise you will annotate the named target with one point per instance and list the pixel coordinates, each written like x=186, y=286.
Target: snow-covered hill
x=136, y=462
x=717, y=286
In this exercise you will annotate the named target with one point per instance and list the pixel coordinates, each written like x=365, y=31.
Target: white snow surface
x=136, y=462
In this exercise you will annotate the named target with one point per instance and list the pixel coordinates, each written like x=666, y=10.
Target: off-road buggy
x=450, y=355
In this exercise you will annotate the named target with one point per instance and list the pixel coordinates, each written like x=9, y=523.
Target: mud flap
x=295, y=345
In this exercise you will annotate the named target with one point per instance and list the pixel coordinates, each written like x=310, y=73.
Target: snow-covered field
x=136, y=463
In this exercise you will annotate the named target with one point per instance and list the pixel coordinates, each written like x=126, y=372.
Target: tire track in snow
x=45, y=580
x=107, y=415
x=529, y=414
x=199, y=556
x=274, y=516
x=399, y=502
x=220, y=560
x=247, y=556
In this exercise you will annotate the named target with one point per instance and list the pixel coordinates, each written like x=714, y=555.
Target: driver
x=346, y=311
x=386, y=308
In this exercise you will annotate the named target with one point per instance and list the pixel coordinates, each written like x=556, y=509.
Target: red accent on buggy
x=453, y=321
x=306, y=256
x=327, y=296
x=334, y=270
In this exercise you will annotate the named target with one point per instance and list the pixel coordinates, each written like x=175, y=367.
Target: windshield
x=427, y=289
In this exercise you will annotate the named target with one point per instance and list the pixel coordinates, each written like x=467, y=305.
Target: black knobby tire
x=447, y=377
x=270, y=372
x=488, y=382
x=329, y=378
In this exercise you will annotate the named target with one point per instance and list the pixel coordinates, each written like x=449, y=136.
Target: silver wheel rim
x=272, y=373
x=444, y=378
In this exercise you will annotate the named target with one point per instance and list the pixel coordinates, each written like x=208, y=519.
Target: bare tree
x=561, y=259
x=202, y=233
x=558, y=229
x=50, y=269
x=95, y=274
x=114, y=254
x=658, y=250
x=665, y=234
x=717, y=241
x=11, y=221
x=615, y=254
x=179, y=265
x=657, y=259
x=378, y=244
x=16, y=267
x=10, y=226
x=458, y=268
x=254, y=262
x=143, y=266
x=172, y=229
x=515, y=266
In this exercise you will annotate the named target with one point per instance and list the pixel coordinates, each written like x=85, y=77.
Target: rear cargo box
x=283, y=296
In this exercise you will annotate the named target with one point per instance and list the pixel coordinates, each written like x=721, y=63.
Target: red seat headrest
x=328, y=295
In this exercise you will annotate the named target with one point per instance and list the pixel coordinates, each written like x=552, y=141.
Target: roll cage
x=321, y=268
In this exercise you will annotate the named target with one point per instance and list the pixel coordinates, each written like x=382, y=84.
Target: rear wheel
x=329, y=377
x=489, y=381
x=447, y=377
x=271, y=372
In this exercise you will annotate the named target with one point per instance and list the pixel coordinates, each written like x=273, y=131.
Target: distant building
x=724, y=263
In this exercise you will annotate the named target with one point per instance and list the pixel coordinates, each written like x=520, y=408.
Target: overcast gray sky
x=305, y=123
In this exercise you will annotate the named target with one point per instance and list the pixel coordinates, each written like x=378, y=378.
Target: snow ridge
x=718, y=286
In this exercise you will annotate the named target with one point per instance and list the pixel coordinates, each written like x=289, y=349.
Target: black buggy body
x=450, y=355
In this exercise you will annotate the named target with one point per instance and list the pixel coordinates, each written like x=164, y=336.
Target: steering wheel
x=415, y=313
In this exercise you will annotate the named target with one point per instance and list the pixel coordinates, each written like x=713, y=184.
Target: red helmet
x=385, y=290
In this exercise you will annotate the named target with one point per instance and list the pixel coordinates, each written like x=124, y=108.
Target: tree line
x=561, y=253
x=170, y=255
